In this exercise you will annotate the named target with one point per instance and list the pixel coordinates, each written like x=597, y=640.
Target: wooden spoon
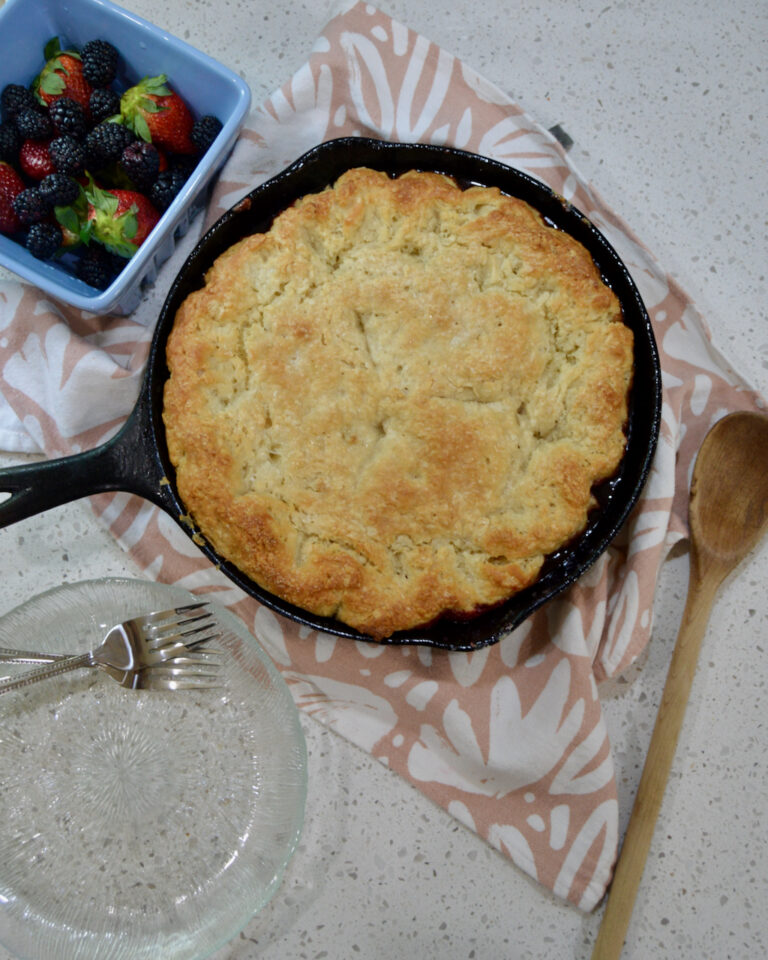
x=728, y=514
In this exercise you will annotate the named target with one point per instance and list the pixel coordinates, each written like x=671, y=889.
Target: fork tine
x=172, y=631
x=185, y=670
x=170, y=622
x=152, y=681
x=162, y=619
x=150, y=618
x=193, y=640
x=178, y=645
x=172, y=619
x=190, y=683
x=155, y=655
x=185, y=655
x=196, y=657
x=173, y=634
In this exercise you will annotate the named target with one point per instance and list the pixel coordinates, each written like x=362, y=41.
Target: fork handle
x=9, y=655
x=49, y=670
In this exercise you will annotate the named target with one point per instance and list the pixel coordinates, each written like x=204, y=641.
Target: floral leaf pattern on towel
x=523, y=748
x=511, y=739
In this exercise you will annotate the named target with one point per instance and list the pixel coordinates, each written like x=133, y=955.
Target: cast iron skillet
x=136, y=459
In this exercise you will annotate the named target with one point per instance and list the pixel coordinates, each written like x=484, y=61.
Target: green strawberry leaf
x=151, y=106
x=157, y=86
x=59, y=67
x=86, y=232
x=52, y=83
x=122, y=249
x=68, y=219
x=141, y=128
x=110, y=204
x=101, y=200
x=52, y=48
x=130, y=222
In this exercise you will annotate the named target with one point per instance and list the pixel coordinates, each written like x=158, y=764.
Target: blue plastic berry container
x=146, y=50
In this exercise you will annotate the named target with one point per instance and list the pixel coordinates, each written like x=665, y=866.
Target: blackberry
x=204, y=132
x=166, y=187
x=103, y=103
x=98, y=267
x=141, y=162
x=30, y=206
x=43, y=240
x=68, y=117
x=106, y=143
x=34, y=125
x=59, y=189
x=10, y=141
x=68, y=155
x=184, y=165
x=16, y=98
x=99, y=62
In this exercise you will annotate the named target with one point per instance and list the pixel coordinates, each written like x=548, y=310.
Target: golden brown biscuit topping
x=395, y=403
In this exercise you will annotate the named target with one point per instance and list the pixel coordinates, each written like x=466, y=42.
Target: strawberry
x=158, y=115
x=35, y=160
x=62, y=76
x=119, y=220
x=11, y=186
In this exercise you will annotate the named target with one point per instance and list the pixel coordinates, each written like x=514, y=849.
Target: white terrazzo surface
x=666, y=101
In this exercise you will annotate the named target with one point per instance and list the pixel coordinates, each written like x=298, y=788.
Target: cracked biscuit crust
x=394, y=403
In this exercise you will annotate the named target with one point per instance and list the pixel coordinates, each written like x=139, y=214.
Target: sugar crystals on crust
x=396, y=402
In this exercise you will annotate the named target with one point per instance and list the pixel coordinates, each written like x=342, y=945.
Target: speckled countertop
x=666, y=103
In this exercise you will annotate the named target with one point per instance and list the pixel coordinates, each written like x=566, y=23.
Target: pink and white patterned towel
x=510, y=739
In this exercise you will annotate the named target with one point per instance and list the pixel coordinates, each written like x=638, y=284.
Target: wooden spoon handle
x=650, y=792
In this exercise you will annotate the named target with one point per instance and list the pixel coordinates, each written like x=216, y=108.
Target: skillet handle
x=39, y=486
x=127, y=462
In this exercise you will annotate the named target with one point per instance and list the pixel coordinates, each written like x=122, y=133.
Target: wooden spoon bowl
x=728, y=512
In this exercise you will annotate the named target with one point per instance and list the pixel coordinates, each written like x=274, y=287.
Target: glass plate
x=140, y=824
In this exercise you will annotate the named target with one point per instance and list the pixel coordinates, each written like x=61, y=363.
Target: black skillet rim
x=320, y=167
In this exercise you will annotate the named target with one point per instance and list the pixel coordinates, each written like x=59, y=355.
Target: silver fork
x=158, y=626
x=132, y=648
x=197, y=671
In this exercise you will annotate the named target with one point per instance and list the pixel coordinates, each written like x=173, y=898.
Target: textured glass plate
x=140, y=824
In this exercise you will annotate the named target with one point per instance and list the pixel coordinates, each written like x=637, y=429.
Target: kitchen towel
x=510, y=739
